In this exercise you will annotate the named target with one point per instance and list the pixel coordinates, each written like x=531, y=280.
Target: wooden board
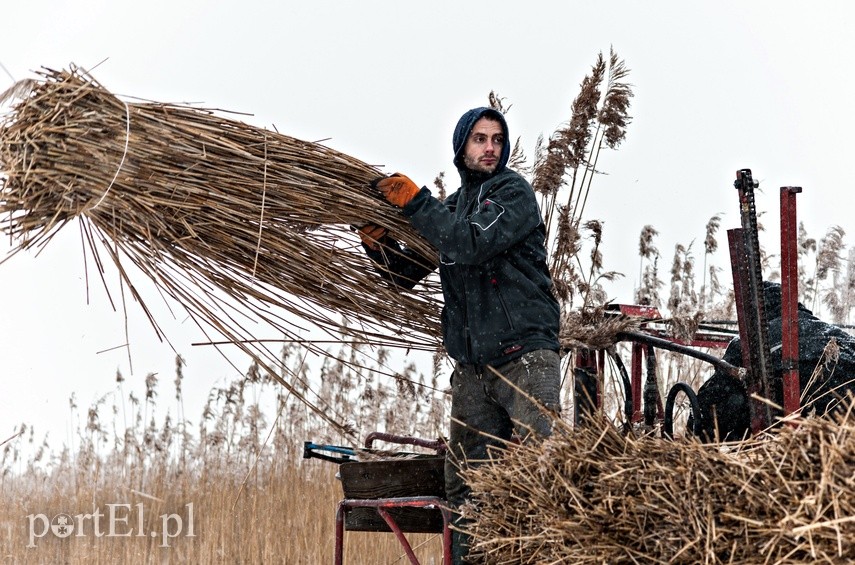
x=393, y=478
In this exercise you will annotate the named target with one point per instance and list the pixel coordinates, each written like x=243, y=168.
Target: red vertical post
x=338, y=558
x=789, y=299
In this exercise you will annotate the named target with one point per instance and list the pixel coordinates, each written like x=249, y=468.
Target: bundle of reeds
x=239, y=224
x=592, y=329
x=595, y=495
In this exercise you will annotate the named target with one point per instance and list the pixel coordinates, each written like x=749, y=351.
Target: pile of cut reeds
x=239, y=224
x=596, y=495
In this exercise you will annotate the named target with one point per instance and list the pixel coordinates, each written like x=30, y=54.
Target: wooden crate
x=394, y=478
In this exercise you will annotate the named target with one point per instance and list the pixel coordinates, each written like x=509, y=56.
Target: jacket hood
x=464, y=127
x=773, y=298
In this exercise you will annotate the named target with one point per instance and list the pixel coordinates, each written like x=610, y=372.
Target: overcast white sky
x=718, y=86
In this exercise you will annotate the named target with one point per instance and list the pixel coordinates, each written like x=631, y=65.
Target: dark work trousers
x=485, y=409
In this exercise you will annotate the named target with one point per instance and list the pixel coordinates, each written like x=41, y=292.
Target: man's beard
x=476, y=166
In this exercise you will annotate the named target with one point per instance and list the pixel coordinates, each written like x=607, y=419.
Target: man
x=724, y=400
x=499, y=312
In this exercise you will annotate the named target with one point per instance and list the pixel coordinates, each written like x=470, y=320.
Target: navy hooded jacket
x=498, y=301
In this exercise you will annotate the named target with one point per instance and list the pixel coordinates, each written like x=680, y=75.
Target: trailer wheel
x=668, y=424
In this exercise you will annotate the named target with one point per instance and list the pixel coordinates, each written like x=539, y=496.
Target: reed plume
x=828, y=258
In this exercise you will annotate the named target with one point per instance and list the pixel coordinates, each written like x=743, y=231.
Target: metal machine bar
x=314, y=450
x=642, y=338
x=789, y=299
x=757, y=342
x=700, y=340
x=651, y=387
x=586, y=385
x=637, y=349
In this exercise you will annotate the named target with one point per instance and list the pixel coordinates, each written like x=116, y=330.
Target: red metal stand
x=386, y=485
x=382, y=505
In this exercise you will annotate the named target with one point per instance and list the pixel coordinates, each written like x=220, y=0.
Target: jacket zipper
x=495, y=284
x=466, y=334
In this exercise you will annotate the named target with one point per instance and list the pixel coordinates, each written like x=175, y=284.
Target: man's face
x=484, y=146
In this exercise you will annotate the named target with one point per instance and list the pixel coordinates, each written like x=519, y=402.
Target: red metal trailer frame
x=383, y=505
x=643, y=346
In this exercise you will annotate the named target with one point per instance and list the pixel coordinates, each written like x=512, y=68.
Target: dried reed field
x=239, y=225
x=225, y=485
x=283, y=513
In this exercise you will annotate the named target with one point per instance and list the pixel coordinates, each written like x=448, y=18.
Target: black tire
x=668, y=424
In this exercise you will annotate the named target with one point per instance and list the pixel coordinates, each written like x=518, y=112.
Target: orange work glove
x=371, y=235
x=397, y=189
